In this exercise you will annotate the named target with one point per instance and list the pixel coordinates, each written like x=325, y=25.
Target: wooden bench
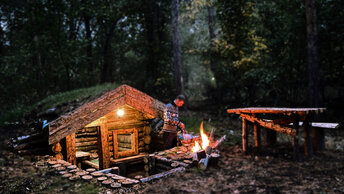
x=318, y=133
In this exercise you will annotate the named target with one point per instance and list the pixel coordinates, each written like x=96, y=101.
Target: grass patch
x=54, y=100
x=74, y=95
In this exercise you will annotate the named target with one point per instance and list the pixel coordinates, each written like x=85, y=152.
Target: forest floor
x=271, y=170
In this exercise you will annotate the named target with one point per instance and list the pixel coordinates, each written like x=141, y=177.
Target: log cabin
x=112, y=127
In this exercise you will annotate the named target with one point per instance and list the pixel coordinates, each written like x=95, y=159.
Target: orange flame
x=205, y=141
x=196, y=148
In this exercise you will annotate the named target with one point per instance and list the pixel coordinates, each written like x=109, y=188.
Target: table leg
x=307, y=135
x=256, y=129
x=244, y=136
x=318, y=138
x=295, y=140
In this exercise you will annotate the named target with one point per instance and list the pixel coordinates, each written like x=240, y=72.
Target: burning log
x=219, y=141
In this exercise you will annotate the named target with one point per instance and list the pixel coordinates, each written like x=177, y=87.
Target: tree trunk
x=89, y=44
x=38, y=55
x=211, y=26
x=314, y=77
x=150, y=34
x=106, y=74
x=177, y=53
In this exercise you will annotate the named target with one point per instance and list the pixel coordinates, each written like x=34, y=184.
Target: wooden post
x=295, y=140
x=256, y=129
x=57, y=150
x=307, y=134
x=103, y=145
x=318, y=138
x=244, y=136
x=70, y=148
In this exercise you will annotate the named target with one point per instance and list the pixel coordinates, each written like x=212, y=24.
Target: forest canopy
x=234, y=53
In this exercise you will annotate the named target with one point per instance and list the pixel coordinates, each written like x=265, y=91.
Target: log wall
x=86, y=140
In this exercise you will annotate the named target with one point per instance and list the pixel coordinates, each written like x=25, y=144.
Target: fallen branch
x=162, y=174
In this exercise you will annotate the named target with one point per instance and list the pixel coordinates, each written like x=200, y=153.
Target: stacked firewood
x=208, y=156
x=32, y=144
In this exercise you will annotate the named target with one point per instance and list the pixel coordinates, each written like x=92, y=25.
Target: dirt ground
x=271, y=170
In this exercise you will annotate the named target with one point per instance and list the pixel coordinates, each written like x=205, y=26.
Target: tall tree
x=211, y=26
x=177, y=51
x=314, y=76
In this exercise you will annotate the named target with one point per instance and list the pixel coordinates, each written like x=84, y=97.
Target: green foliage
x=192, y=124
x=258, y=57
x=56, y=99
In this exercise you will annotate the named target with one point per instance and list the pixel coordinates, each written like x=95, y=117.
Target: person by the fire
x=172, y=123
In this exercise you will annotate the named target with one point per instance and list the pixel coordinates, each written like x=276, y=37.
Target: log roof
x=110, y=101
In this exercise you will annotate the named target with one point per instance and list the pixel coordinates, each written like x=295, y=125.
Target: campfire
x=204, y=152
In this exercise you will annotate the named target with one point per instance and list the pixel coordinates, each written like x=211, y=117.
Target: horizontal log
x=127, y=159
x=147, y=139
x=141, y=135
x=87, y=130
x=270, y=125
x=120, y=123
x=37, y=151
x=86, y=134
x=91, y=164
x=27, y=138
x=34, y=143
x=85, y=139
x=141, y=143
x=146, y=130
x=87, y=143
x=272, y=110
x=86, y=148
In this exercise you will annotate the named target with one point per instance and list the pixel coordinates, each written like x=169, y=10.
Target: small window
x=125, y=142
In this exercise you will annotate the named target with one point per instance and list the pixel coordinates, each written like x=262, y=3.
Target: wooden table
x=282, y=117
